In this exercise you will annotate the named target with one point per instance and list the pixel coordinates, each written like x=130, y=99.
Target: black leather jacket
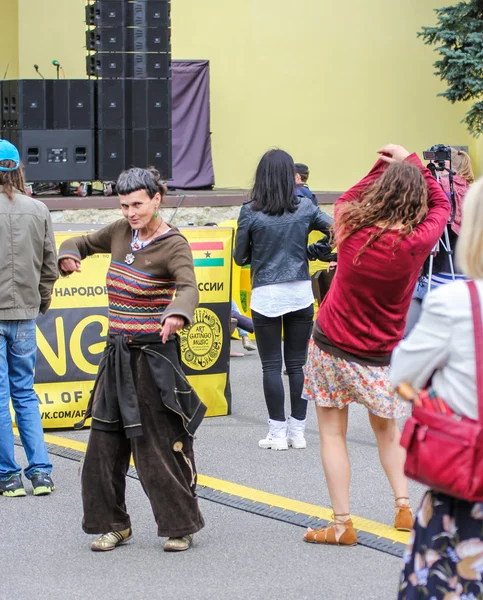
x=276, y=246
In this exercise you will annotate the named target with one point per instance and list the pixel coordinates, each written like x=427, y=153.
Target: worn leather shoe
x=178, y=544
x=109, y=541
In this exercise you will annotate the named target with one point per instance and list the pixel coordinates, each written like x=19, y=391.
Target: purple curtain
x=192, y=160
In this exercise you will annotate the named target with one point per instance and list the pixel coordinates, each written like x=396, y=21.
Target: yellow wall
x=9, y=39
x=328, y=81
x=52, y=30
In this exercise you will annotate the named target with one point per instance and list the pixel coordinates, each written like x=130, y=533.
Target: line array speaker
x=122, y=65
x=128, y=39
x=119, y=13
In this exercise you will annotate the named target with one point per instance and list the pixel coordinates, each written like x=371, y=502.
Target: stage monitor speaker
x=131, y=39
x=63, y=155
x=133, y=103
x=24, y=104
x=136, y=65
x=71, y=104
x=119, y=13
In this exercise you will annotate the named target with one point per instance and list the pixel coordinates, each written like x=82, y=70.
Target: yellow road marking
x=235, y=489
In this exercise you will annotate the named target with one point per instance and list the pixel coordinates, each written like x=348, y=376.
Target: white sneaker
x=295, y=433
x=277, y=436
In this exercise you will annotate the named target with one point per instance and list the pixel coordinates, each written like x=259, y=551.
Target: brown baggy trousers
x=164, y=461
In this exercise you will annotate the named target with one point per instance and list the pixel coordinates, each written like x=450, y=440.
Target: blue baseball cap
x=9, y=152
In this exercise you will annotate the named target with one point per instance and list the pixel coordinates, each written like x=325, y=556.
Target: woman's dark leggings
x=297, y=327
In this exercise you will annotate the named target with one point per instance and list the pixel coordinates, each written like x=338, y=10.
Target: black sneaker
x=42, y=484
x=12, y=486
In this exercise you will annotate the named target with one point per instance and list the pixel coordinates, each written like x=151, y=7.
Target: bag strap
x=478, y=327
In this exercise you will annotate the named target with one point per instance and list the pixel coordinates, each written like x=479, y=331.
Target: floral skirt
x=333, y=382
x=444, y=558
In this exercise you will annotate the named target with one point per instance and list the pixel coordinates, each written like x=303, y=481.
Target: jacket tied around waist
x=113, y=404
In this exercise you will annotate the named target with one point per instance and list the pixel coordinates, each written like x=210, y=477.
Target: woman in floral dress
x=385, y=227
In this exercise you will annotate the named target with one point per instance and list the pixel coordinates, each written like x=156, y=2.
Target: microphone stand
x=36, y=67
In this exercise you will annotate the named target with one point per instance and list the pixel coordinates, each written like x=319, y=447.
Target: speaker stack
x=130, y=57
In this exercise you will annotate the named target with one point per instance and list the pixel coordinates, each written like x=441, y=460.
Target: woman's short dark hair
x=136, y=179
x=274, y=190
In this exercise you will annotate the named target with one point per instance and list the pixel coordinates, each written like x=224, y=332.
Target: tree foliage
x=459, y=36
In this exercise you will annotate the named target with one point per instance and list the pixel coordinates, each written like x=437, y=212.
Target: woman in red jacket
x=385, y=227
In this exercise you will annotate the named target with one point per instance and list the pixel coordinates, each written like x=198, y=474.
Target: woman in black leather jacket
x=272, y=236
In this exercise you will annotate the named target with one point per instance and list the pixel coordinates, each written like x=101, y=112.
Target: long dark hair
x=274, y=190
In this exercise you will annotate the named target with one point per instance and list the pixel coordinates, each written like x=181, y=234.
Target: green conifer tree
x=459, y=35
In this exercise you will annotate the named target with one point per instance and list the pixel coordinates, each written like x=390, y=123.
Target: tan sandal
x=328, y=535
x=404, y=520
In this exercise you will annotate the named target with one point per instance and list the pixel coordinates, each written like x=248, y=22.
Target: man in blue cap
x=27, y=275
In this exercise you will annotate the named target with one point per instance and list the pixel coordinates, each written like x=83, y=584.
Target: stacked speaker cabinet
x=130, y=57
x=52, y=124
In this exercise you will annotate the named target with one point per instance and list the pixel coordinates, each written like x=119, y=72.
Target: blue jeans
x=18, y=351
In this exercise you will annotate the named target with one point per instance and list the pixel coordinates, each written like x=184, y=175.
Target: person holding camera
x=445, y=552
x=462, y=172
x=385, y=227
x=272, y=236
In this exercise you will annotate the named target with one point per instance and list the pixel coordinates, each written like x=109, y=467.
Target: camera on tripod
x=438, y=156
x=438, y=153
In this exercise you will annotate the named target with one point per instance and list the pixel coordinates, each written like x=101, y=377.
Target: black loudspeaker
x=71, y=104
x=110, y=104
x=63, y=155
x=24, y=104
x=119, y=149
x=133, y=39
x=148, y=104
x=111, y=153
x=149, y=147
x=48, y=104
x=133, y=103
x=111, y=65
x=118, y=13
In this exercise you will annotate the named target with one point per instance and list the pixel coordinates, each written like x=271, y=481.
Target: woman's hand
x=171, y=325
x=392, y=153
x=69, y=265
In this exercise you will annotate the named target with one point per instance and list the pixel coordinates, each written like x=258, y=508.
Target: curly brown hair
x=399, y=198
x=12, y=180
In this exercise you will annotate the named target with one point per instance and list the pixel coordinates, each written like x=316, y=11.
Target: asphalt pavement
x=238, y=555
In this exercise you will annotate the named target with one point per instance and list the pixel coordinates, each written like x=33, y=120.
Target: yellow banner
x=71, y=336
